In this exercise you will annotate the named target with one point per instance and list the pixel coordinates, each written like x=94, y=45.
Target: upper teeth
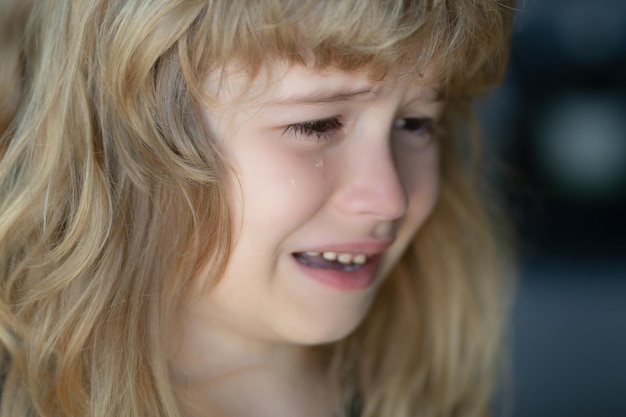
x=343, y=258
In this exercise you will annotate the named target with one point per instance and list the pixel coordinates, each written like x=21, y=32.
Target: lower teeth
x=351, y=267
x=319, y=262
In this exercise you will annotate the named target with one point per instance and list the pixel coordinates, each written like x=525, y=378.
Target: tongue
x=319, y=262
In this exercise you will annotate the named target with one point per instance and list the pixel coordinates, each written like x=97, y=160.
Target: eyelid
x=322, y=128
x=425, y=123
x=416, y=132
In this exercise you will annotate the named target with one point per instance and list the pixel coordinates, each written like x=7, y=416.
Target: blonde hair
x=111, y=197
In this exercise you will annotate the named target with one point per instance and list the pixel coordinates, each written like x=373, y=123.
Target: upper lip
x=367, y=247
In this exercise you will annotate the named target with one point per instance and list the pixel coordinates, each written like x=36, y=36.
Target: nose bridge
x=371, y=182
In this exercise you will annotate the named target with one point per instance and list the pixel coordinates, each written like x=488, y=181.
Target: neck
x=220, y=370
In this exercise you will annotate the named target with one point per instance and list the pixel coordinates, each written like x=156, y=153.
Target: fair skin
x=325, y=164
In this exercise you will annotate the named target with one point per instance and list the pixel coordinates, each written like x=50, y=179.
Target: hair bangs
x=459, y=43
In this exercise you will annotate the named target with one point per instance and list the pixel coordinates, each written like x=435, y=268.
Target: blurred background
x=558, y=123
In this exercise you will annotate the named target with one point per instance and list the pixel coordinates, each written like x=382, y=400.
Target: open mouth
x=347, y=262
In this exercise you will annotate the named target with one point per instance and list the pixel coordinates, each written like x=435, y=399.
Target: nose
x=371, y=183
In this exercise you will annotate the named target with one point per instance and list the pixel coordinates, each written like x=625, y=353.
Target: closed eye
x=322, y=129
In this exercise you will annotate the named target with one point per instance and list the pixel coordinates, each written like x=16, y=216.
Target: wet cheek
x=282, y=188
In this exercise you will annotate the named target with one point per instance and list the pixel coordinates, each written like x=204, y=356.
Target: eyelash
x=415, y=125
x=323, y=129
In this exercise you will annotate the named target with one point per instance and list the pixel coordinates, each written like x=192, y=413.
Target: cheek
x=273, y=186
x=420, y=177
x=419, y=172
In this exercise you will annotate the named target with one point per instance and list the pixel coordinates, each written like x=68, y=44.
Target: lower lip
x=360, y=279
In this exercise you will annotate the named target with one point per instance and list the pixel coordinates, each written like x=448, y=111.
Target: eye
x=322, y=129
x=415, y=132
x=415, y=125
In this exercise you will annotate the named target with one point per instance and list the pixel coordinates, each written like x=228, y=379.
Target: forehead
x=286, y=84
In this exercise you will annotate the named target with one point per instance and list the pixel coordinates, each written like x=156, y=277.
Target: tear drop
x=319, y=163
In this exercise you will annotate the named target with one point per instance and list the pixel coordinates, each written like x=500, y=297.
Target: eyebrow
x=322, y=97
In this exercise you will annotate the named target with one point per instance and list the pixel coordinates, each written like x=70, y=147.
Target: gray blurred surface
x=569, y=340
x=558, y=123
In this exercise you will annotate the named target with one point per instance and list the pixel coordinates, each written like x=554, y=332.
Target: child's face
x=325, y=164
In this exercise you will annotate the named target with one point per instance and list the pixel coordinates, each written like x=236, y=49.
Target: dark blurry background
x=558, y=124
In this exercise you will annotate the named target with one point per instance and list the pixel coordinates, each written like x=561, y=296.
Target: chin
x=320, y=334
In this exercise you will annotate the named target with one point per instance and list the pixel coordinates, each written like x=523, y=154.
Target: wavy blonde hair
x=112, y=199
